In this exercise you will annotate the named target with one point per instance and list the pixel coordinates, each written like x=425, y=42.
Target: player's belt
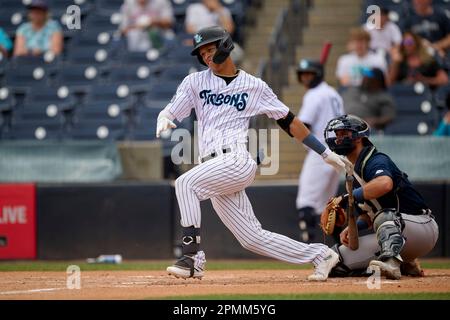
x=215, y=154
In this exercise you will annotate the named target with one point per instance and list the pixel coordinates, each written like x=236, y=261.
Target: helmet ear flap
x=224, y=48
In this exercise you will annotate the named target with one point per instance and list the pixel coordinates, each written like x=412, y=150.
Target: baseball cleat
x=412, y=268
x=389, y=268
x=322, y=270
x=180, y=272
x=189, y=266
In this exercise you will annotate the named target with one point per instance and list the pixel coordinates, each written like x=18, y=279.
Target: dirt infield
x=156, y=284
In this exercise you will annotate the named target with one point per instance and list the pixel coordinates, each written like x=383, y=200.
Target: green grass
x=323, y=296
x=160, y=265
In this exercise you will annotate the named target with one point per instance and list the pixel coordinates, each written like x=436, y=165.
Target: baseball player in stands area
x=224, y=99
x=321, y=103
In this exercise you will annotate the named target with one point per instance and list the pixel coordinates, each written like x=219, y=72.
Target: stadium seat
x=178, y=71
x=138, y=77
x=22, y=77
x=416, y=98
x=411, y=125
x=163, y=90
x=108, y=7
x=77, y=77
x=96, y=22
x=94, y=129
x=151, y=57
x=6, y=100
x=96, y=56
x=102, y=110
x=10, y=19
x=114, y=93
x=61, y=97
x=25, y=129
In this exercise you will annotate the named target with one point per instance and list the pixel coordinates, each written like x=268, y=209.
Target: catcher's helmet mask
x=218, y=35
x=311, y=66
x=358, y=127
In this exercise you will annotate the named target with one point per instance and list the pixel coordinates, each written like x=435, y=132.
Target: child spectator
x=349, y=66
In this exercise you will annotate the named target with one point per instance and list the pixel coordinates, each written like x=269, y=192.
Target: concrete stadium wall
x=141, y=220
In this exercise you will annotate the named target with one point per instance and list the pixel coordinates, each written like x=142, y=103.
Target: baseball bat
x=325, y=52
x=353, y=241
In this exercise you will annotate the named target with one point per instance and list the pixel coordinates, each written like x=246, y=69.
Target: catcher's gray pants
x=223, y=180
x=420, y=232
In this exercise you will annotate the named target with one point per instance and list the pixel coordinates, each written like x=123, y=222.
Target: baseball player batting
x=224, y=99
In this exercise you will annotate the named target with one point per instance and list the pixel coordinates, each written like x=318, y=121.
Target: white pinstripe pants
x=223, y=180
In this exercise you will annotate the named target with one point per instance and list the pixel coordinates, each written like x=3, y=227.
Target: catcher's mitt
x=333, y=215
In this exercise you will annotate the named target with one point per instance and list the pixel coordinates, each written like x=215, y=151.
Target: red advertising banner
x=17, y=221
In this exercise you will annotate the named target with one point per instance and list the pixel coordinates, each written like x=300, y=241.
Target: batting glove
x=164, y=123
x=334, y=160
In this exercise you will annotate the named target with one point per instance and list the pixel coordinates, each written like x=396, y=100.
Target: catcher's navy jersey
x=403, y=196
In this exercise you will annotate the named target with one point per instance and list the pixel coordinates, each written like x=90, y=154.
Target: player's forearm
x=302, y=134
x=298, y=129
x=376, y=188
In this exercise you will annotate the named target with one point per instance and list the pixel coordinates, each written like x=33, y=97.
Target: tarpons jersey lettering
x=237, y=100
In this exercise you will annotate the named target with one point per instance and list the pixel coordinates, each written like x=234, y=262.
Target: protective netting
x=67, y=161
x=422, y=158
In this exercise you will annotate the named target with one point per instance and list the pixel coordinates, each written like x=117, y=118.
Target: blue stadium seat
x=181, y=53
x=114, y=93
x=108, y=7
x=96, y=22
x=151, y=57
x=6, y=100
x=411, y=125
x=414, y=98
x=97, y=56
x=44, y=96
x=103, y=110
x=22, y=77
x=10, y=19
x=178, y=71
x=138, y=77
x=78, y=78
x=163, y=90
x=95, y=129
x=92, y=38
x=25, y=129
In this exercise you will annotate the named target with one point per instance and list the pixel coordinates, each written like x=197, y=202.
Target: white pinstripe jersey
x=223, y=111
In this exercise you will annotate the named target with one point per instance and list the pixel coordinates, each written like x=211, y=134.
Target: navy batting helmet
x=313, y=66
x=215, y=34
x=358, y=127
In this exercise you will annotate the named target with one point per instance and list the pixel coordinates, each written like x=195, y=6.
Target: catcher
x=398, y=225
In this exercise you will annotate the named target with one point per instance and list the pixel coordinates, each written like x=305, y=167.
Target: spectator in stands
x=41, y=34
x=208, y=13
x=146, y=23
x=444, y=126
x=350, y=65
x=387, y=36
x=371, y=101
x=429, y=23
x=413, y=63
x=5, y=44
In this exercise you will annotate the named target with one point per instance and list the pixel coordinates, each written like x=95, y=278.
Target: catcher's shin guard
x=388, y=227
x=307, y=223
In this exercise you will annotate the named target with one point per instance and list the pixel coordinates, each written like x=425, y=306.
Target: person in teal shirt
x=444, y=127
x=5, y=43
x=40, y=34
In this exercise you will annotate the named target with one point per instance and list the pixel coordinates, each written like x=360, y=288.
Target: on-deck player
x=224, y=100
x=321, y=103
